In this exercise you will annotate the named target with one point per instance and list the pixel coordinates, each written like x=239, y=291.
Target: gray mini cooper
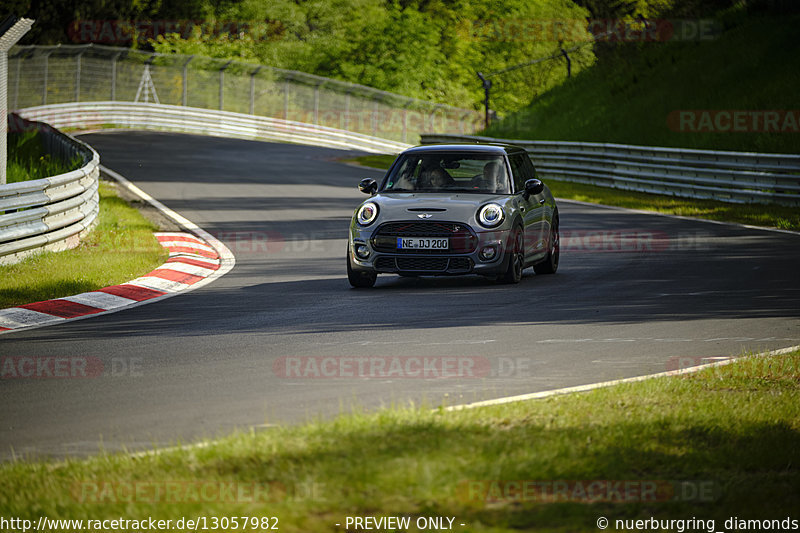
x=454, y=210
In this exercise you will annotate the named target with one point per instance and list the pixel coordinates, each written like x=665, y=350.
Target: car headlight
x=367, y=214
x=491, y=215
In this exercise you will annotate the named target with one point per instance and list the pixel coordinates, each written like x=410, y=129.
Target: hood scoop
x=426, y=209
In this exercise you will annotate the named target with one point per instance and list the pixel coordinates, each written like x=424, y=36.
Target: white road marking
x=667, y=339
x=603, y=384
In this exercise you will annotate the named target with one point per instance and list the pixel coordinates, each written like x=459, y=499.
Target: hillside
x=737, y=91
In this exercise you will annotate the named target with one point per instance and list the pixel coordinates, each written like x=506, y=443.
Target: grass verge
x=769, y=216
x=120, y=248
x=718, y=443
x=27, y=159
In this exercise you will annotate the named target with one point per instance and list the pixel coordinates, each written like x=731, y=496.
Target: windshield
x=449, y=172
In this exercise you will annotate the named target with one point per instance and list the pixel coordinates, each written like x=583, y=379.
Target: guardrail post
x=185, y=82
x=285, y=99
x=44, y=78
x=346, y=110
x=433, y=118
x=405, y=119
x=374, y=118
x=114, y=59
x=78, y=76
x=464, y=123
x=253, y=89
x=316, y=103
x=222, y=82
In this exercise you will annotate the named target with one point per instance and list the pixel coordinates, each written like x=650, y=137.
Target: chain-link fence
x=40, y=75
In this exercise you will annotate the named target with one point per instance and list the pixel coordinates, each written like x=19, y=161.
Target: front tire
x=516, y=259
x=550, y=264
x=357, y=279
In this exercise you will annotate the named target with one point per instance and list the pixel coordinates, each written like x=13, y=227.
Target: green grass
x=27, y=159
x=120, y=248
x=628, y=95
x=769, y=216
x=43, y=168
x=733, y=430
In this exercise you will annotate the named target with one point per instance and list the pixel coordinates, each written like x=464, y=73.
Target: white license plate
x=418, y=243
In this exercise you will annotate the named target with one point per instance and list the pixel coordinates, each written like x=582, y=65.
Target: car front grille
x=433, y=265
x=462, y=239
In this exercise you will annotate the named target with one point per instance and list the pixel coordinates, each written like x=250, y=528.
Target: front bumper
x=463, y=258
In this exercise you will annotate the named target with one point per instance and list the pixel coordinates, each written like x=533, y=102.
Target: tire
x=516, y=259
x=357, y=279
x=550, y=263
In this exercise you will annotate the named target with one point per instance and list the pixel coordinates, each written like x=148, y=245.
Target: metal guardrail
x=739, y=177
x=93, y=115
x=50, y=213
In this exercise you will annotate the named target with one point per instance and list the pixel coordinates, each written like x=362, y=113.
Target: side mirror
x=368, y=186
x=533, y=187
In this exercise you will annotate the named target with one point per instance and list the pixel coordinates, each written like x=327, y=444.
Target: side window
x=519, y=170
x=530, y=170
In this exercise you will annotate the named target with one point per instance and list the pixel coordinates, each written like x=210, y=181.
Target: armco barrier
x=50, y=213
x=738, y=177
x=91, y=115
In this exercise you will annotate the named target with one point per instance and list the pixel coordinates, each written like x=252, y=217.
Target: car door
x=542, y=209
x=531, y=208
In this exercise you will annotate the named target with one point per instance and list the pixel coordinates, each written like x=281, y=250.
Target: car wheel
x=516, y=260
x=550, y=264
x=357, y=279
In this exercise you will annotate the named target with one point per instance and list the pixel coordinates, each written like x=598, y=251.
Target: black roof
x=497, y=148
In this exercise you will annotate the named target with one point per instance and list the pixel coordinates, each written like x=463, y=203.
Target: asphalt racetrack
x=280, y=337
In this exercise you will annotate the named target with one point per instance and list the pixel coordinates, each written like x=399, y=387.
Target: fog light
x=488, y=253
x=362, y=251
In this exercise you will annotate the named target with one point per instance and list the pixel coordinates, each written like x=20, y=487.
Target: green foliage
x=633, y=94
x=27, y=159
x=428, y=50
